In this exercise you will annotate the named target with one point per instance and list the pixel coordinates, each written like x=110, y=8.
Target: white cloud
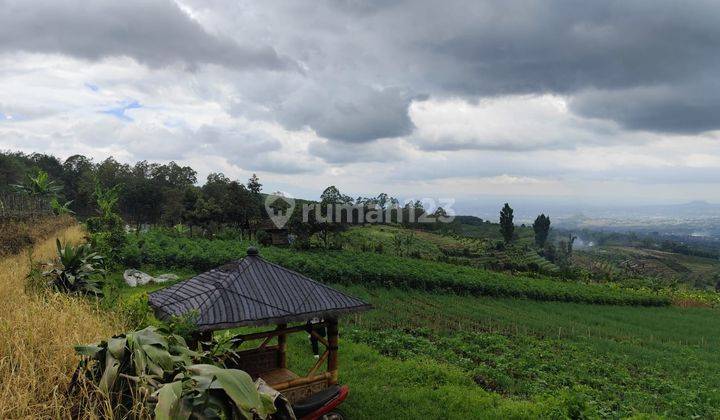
x=512, y=123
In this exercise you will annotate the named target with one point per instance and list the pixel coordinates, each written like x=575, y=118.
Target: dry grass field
x=37, y=335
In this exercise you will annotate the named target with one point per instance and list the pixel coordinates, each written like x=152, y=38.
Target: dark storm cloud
x=382, y=151
x=683, y=108
x=564, y=46
x=480, y=49
x=357, y=115
x=156, y=33
x=645, y=64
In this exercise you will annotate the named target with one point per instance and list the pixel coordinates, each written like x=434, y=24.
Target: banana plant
x=61, y=208
x=208, y=391
x=78, y=271
x=181, y=383
x=107, y=199
x=39, y=185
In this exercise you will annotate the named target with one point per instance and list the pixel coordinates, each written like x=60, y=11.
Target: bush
x=136, y=311
x=347, y=267
x=154, y=367
x=78, y=270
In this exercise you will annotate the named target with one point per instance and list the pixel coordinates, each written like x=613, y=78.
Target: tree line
x=167, y=194
x=147, y=193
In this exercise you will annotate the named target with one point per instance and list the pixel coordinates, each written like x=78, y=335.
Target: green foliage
x=107, y=199
x=181, y=230
x=541, y=227
x=39, y=185
x=136, y=311
x=79, y=270
x=403, y=242
x=182, y=384
x=184, y=325
x=564, y=359
x=507, y=228
x=162, y=250
x=108, y=228
x=208, y=391
x=61, y=208
x=565, y=252
x=263, y=237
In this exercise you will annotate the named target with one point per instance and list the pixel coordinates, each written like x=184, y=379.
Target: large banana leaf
x=149, y=357
x=238, y=385
x=169, y=405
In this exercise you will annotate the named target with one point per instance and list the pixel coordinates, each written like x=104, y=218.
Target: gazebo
x=255, y=292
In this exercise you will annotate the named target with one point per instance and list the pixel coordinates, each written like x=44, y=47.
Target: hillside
x=464, y=244
x=435, y=354
x=625, y=261
x=480, y=245
x=443, y=340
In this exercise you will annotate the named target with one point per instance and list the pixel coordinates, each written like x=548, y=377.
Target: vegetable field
x=583, y=361
x=349, y=267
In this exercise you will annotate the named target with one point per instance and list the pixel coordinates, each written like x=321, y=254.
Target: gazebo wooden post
x=282, y=347
x=332, y=366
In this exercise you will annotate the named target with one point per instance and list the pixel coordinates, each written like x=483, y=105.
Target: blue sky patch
x=92, y=87
x=119, y=112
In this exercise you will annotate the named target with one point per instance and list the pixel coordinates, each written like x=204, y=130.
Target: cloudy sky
x=608, y=101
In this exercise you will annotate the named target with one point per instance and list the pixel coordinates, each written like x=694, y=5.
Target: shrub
x=135, y=311
x=151, y=362
x=78, y=271
x=263, y=237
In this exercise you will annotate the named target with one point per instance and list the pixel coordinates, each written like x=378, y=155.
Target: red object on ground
x=330, y=406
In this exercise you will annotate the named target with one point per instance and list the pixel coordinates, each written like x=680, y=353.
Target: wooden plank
x=318, y=363
x=332, y=367
x=278, y=376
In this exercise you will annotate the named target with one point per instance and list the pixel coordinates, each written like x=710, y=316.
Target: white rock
x=136, y=277
x=130, y=279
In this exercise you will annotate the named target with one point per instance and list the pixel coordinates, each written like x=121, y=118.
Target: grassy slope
x=37, y=335
x=429, y=355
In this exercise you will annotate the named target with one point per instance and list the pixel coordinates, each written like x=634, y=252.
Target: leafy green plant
x=106, y=199
x=61, y=208
x=207, y=391
x=78, y=271
x=177, y=381
x=181, y=230
x=39, y=185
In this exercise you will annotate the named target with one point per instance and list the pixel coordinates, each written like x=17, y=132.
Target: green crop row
x=348, y=267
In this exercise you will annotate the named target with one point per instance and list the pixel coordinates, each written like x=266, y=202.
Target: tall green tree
x=507, y=228
x=541, y=226
x=79, y=184
x=254, y=184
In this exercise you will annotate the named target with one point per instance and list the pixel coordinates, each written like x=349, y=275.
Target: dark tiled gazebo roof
x=251, y=291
